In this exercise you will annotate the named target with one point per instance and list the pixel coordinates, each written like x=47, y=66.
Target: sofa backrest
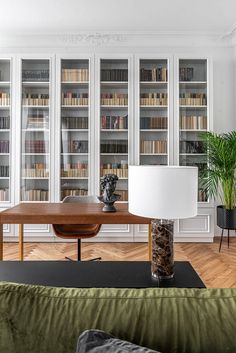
x=35, y=319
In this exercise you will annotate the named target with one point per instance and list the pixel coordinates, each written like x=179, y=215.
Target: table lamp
x=163, y=193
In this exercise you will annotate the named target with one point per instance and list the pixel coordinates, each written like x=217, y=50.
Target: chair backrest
x=80, y=199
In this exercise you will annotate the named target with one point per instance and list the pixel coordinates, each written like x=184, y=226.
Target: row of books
x=193, y=122
x=4, y=194
x=114, y=146
x=4, y=171
x=153, y=146
x=35, y=99
x=4, y=146
x=36, y=146
x=74, y=75
x=5, y=122
x=114, y=122
x=74, y=171
x=120, y=172
x=192, y=98
x=74, y=146
x=73, y=192
x=154, y=122
x=191, y=147
x=123, y=194
x=74, y=122
x=114, y=99
x=186, y=73
x=74, y=98
x=114, y=75
x=155, y=74
x=4, y=99
x=123, y=164
x=153, y=98
x=37, y=121
x=35, y=170
x=34, y=194
x=35, y=75
x=202, y=195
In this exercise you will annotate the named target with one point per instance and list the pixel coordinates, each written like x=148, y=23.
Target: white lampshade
x=162, y=192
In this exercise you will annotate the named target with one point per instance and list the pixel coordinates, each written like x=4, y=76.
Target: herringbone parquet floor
x=216, y=269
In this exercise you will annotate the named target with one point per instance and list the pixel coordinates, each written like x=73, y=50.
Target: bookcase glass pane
x=5, y=129
x=74, y=127
x=35, y=121
x=153, y=111
x=114, y=122
x=193, y=119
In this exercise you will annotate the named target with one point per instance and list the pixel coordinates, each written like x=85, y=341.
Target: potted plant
x=218, y=177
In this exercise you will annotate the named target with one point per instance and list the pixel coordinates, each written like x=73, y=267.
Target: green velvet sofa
x=35, y=319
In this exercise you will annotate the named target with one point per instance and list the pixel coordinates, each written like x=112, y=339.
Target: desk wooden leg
x=21, y=242
x=150, y=242
x=1, y=242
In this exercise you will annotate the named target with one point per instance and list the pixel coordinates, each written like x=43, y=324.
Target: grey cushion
x=96, y=341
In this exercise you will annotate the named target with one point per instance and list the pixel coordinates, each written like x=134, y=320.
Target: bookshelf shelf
x=4, y=178
x=153, y=130
x=74, y=130
x=74, y=106
x=73, y=154
x=114, y=154
x=194, y=106
x=36, y=84
x=192, y=130
x=35, y=130
x=80, y=83
x=4, y=154
x=114, y=83
x=36, y=106
x=114, y=106
x=153, y=154
x=5, y=83
x=153, y=106
x=35, y=178
x=74, y=178
x=114, y=130
x=5, y=130
x=193, y=154
x=3, y=107
x=34, y=154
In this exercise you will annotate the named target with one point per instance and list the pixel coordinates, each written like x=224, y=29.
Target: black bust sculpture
x=108, y=184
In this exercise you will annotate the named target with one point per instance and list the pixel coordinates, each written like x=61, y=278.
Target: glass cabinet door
x=74, y=127
x=35, y=123
x=5, y=128
x=193, y=114
x=153, y=112
x=114, y=122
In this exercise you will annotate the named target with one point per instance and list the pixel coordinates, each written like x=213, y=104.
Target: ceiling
x=73, y=16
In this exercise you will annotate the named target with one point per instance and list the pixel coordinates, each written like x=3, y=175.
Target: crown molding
x=124, y=39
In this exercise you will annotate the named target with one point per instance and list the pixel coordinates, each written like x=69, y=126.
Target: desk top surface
x=69, y=213
x=89, y=274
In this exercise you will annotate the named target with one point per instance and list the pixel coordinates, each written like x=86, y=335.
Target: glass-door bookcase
x=74, y=162
x=153, y=112
x=5, y=129
x=193, y=114
x=35, y=136
x=114, y=140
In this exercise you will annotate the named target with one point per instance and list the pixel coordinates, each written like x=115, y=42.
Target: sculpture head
x=108, y=184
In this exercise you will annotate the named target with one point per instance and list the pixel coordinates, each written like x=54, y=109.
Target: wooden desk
x=65, y=213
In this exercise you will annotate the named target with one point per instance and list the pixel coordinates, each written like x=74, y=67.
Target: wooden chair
x=78, y=231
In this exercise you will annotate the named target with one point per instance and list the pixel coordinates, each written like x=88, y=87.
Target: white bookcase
x=78, y=117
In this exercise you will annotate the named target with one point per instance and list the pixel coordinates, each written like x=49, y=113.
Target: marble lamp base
x=162, y=264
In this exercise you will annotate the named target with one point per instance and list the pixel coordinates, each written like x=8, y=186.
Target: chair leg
x=222, y=233
x=228, y=238
x=79, y=249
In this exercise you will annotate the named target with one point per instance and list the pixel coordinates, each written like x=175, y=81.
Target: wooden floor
x=216, y=269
